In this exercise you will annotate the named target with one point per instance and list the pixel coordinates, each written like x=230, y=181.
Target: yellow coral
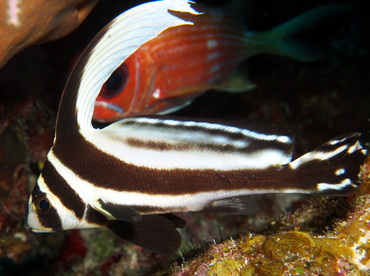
x=345, y=250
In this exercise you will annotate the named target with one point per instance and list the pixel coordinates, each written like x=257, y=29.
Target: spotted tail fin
x=333, y=168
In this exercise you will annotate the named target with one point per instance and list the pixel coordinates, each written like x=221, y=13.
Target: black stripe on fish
x=186, y=146
x=62, y=190
x=95, y=217
x=115, y=210
x=49, y=219
x=94, y=166
x=247, y=138
x=196, y=124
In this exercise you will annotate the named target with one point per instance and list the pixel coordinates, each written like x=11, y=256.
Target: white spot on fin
x=211, y=44
x=213, y=55
x=215, y=68
x=325, y=186
x=340, y=171
x=316, y=155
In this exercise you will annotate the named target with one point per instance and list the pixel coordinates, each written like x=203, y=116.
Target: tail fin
x=333, y=168
x=307, y=37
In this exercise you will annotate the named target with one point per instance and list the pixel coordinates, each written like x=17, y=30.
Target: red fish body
x=169, y=71
x=178, y=65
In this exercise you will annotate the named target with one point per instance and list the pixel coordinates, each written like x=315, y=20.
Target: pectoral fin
x=119, y=212
x=246, y=205
x=153, y=232
x=239, y=82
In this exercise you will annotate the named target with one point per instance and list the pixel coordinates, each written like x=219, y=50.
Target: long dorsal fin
x=113, y=44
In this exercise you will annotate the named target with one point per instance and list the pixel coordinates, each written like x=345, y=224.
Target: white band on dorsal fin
x=126, y=33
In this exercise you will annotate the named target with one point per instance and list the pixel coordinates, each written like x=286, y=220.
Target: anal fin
x=239, y=81
x=152, y=232
x=176, y=221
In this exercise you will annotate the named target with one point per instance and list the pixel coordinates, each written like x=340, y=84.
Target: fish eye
x=116, y=82
x=42, y=205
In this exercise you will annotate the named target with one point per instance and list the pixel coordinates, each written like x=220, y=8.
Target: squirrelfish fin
x=119, y=212
x=288, y=38
x=239, y=81
x=175, y=106
x=153, y=232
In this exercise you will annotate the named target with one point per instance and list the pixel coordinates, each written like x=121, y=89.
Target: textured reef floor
x=343, y=250
x=292, y=235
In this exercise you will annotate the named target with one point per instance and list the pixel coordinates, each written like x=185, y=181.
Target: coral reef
x=345, y=250
x=286, y=253
x=24, y=144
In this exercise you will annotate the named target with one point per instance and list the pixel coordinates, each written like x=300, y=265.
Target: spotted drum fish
x=132, y=175
x=168, y=72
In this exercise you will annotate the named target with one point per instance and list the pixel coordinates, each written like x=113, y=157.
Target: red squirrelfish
x=168, y=72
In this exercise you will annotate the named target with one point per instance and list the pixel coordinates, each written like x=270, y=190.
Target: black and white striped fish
x=131, y=175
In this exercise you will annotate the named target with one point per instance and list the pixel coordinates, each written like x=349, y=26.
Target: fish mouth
x=27, y=211
x=104, y=111
x=36, y=230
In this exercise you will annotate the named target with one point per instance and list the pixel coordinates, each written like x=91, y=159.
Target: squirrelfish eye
x=116, y=82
